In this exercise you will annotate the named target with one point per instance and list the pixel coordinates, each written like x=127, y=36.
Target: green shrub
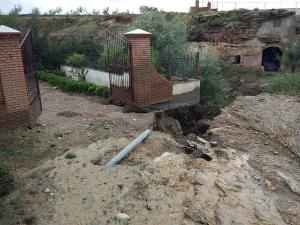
x=77, y=60
x=67, y=84
x=169, y=33
x=283, y=84
x=216, y=21
x=212, y=83
x=291, y=56
x=195, y=32
x=70, y=155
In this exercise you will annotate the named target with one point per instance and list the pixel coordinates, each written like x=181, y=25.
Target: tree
x=56, y=11
x=106, y=11
x=35, y=11
x=291, y=56
x=145, y=9
x=16, y=10
x=168, y=34
x=12, y=19
x=78, y=62
x=212, y=83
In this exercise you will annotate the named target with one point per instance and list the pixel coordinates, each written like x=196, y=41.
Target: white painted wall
x=102, y=78
x=93, y=76
x=185, y=86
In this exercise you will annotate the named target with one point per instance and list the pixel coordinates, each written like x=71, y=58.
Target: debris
x=46, y=190
x=123, y=216
x=196, y=214
x=202, y=152
x=258, y=178
x=198, y=150
x=129, y=148
x=293, y=185
x=213, y=143
x=270, y=186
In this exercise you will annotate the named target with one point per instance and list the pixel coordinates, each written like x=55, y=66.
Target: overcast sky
x=133, y=5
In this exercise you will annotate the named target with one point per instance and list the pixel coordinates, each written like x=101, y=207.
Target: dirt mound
x=174, y=187
x=266, y=129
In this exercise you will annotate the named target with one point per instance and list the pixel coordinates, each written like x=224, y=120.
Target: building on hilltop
x=207, y=9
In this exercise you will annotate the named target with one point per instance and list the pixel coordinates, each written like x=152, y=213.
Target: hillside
x=240, y=24
x=63, y=25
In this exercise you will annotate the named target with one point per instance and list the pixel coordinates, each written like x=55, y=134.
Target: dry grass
x=285, y=137
x=68, y=114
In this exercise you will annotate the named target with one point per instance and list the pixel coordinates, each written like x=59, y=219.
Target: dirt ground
x=252, y=179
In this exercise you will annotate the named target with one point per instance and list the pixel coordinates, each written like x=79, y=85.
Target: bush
x=195, y=32
x=283, y=84
x=169, y=33
x=212, y=84
x=67, y=84
x=70, y=155
x=77, y=60
x=216, y=21
x=291, y=56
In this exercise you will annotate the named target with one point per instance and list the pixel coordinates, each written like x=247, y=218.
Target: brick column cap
x=4, y=31
x=138, y=32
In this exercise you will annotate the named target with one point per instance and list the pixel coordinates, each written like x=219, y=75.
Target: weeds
x=283, y=84
x=70, y=155
x=68, y=114
x=17, y=203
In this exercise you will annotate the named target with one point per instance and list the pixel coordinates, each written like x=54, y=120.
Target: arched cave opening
x=271, y=59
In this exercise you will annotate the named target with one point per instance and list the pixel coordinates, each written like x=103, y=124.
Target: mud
x=253, y=177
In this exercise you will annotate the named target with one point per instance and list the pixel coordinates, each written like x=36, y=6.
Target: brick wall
x=1, y=95
x=149, y=87
x=15, y=110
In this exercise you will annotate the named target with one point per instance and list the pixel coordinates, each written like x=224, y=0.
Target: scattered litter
x=213, y=143
x=258, y=178
x=46, y=190
x=123, y=216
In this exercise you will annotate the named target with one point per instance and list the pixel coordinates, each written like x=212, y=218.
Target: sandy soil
x=252, y=179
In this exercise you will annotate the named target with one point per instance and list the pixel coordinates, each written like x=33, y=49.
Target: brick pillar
x=141, y=66
x=14, y=109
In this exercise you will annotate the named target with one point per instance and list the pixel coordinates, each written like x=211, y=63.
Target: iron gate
x=30, y=72
x=119, y=67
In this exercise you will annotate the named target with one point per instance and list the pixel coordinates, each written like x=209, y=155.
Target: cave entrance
x=271, y=59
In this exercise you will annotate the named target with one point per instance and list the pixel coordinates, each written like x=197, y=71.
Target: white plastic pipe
x=129, y=148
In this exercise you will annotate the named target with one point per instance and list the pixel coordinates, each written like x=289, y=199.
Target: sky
x=133, y=5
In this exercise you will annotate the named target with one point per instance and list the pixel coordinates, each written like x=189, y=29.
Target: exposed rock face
x=278, y=30
x=243, y=25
